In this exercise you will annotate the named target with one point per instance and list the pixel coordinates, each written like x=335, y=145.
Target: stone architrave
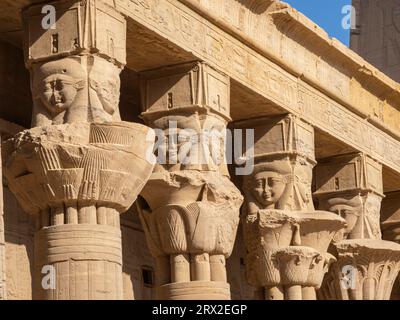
x=367, y=266
x=189, y=208
x=80, y=166
x=287, y=239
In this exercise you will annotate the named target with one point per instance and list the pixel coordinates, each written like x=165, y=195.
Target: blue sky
x=326, y=13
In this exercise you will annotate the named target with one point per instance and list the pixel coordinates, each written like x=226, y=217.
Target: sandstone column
x=80, y=166
x=352, y=187
x=390, y=224
x=287, y=240
x=190, y=208
x=3, y=291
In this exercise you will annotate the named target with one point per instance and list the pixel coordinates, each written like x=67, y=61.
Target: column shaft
x=3, y=289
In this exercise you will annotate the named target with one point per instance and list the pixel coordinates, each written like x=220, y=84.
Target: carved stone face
x=348, y=209
x=56, y=85
x=105, y=81
x=58, y=92
x=268, y=187
x=108, y=93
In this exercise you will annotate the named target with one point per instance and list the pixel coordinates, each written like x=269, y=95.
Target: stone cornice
x=352, y=112
x=299, y=27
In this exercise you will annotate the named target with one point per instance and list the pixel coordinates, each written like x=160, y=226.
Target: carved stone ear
x=80, y=84
x=93, y=84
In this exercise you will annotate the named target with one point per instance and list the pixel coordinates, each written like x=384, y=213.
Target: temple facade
x=197, y=149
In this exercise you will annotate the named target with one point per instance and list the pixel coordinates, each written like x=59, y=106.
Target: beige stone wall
x=136, y=260
x=236, y=271
x=253, y=59
x=19, y=249
x=17, y=252
x=377, y=37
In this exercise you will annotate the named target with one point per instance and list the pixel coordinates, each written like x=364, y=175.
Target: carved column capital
x=80, y=166
x=287, y=252
x=390, y=217
x=75, y=63
x=77, y=178
x=3, y=290
x=352, y=186
x=366, y=270
x=190, y=208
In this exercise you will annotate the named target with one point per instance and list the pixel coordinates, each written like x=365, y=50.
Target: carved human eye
x=272, y=181
x=259, y=183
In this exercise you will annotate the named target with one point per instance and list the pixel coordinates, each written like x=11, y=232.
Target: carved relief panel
x=75, y=64
x=188, y=85
x=88, y=26
x=286, y=255
x=190, y=208
x=351, y=186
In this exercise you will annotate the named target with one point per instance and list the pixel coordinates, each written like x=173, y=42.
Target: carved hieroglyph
x=367, y=267
x=3, y=290
x=77, y=179
x=287, y=240
x=190, y=208
x=75, y=66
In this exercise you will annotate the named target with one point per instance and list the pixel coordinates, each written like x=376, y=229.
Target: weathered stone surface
x=377, y=34
x=324, y=120
x=366, y=270
x=3, y=289
x=366, y=267
x=65, y=91
x=99, y=164
x=299, y=86
x=352, y=186
x=19, y=236
x=78, y=178
x=191, y=227
x=77, y=31
x=75, y=64
x=390, y=217
x=287, y=240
